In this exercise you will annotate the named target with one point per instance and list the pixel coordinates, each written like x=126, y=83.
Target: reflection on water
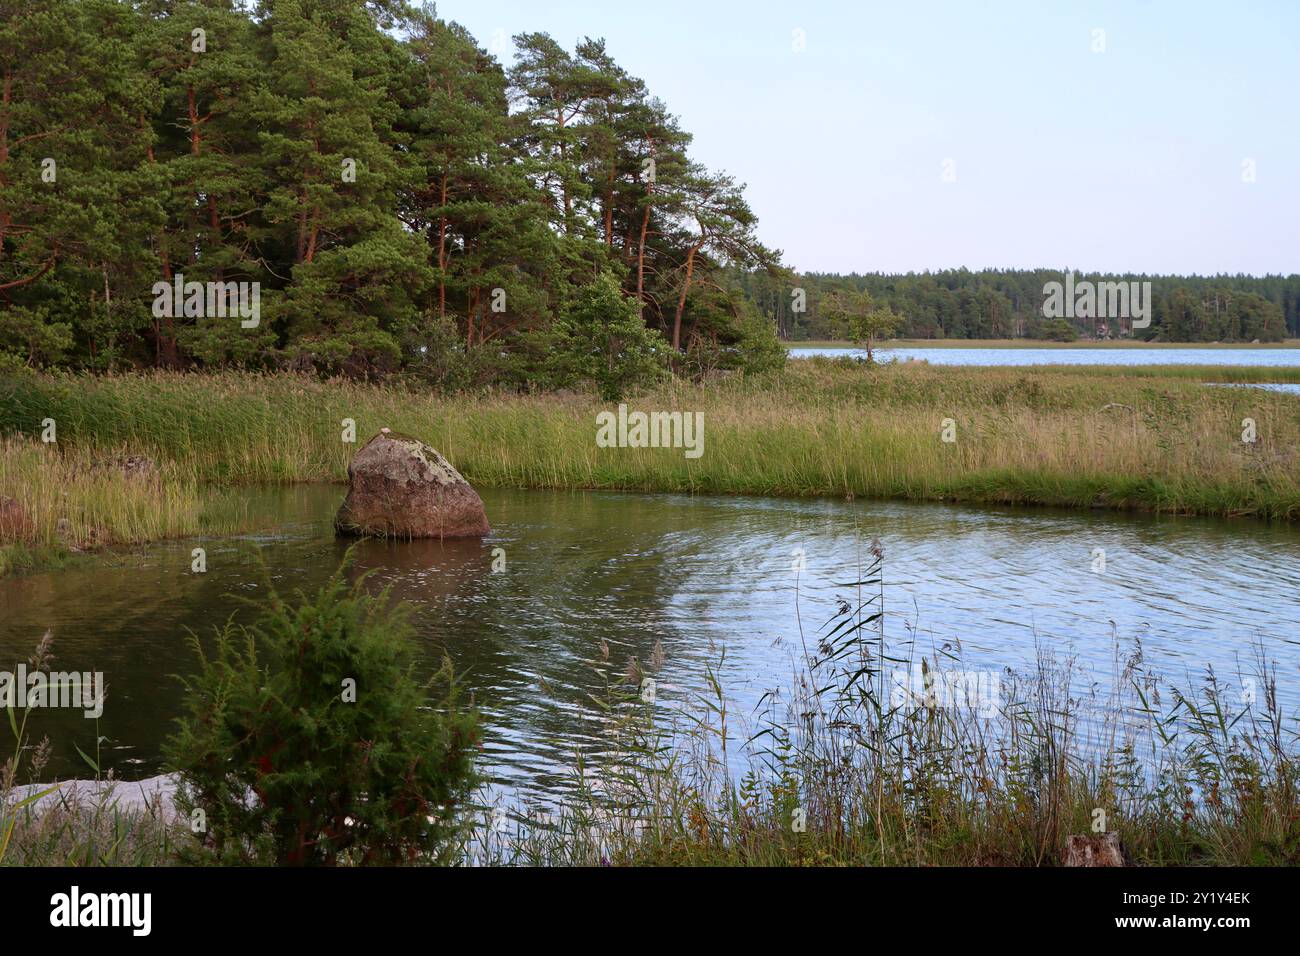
x=1071, y=356
x=696, y=574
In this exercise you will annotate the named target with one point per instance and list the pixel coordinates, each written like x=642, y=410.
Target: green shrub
x=739, y=339
x=308, y=741
x=598, y=338
x=1058, y=330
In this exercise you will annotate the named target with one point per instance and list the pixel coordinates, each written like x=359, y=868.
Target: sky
x=911, y=135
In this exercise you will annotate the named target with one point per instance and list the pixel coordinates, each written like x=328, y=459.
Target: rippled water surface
x=696, y=574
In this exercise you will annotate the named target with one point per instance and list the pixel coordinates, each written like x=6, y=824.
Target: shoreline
x=47, y=559
x=124, y=796
x=1143, y=439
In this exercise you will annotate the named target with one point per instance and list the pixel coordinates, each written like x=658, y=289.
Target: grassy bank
x=75, y=499
x=1152, y=438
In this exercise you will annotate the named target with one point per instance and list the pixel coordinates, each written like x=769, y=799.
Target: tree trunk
x=681, y=302
x=609, y=213
x=5, y=96
x=442, y=253
x=315, y=232
x=640, y=262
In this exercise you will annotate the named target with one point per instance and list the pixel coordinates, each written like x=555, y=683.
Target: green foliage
x=1058, y=330
x=379, y=174
x=363, y=165
x=1008, y=303
x=858, y=318
x=729, y=336
x=757, y=349
x=31, y=334
x=599, y=338
x=308, y=740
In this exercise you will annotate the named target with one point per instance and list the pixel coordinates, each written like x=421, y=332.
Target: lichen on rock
x=401, y=487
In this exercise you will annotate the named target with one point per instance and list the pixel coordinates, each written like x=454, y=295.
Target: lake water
x=1289, y=388
x=1253, y=357
x=695, y=575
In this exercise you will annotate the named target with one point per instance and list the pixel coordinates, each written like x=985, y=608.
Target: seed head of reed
x=43, y=655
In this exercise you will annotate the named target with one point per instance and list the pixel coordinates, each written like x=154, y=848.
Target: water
x=695, y=574
x=1253, y=357
x=1289, y=388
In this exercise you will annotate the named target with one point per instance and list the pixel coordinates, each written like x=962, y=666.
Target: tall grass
x=89, y=826
x=74, y=499
x=846, y=771
x=1153, y=438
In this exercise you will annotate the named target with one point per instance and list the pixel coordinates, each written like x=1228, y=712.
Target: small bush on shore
x=308, y=741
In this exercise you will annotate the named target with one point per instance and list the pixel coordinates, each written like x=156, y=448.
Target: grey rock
x=400, y=487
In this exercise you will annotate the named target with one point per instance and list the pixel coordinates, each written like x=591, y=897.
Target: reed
x=1154, y=438
x=75, y=500
x=845, y=771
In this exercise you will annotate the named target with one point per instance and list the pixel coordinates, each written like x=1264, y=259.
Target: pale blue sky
x=1126, y=160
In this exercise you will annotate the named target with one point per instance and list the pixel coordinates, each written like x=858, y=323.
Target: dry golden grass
x=73, y=499
x=1147, y=438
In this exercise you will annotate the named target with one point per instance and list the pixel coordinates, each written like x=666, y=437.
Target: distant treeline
x=996, y=303
x=399, y=199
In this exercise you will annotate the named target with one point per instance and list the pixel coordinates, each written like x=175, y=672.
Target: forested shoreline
x=402, y=202
x=1008, y=303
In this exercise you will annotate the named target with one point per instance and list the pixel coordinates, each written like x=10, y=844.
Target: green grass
x=91, y=831
x=1152, y=438
x=75, y=503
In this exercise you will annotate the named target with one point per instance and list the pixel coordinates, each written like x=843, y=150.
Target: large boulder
x=399, y=487
x=130, y=798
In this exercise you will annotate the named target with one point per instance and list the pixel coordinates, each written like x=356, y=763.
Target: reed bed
x=76, y=499
x=844, y=771
x=91, y=831
x=1153, y=438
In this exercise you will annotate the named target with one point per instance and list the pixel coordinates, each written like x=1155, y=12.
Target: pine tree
x=202, y=56
x=70, y=200
x=485, y=221
x=331, y=153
